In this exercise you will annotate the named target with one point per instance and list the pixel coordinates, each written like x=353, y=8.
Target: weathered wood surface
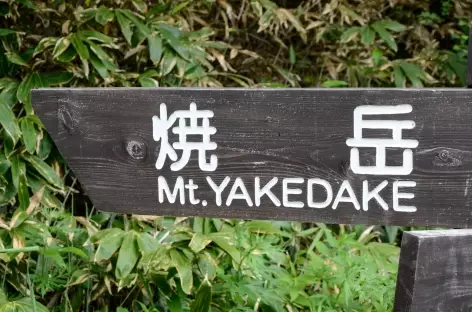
x=469, y=66
x=106, y=137
x=435, y=272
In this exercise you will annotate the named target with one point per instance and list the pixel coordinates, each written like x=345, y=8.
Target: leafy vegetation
x=59, y=253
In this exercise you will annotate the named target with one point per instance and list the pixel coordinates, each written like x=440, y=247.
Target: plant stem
x=24, y=249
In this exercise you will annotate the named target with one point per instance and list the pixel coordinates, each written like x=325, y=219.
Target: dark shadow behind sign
x=298, y=136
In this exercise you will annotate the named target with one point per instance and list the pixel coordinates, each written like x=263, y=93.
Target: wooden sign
x=375, y=156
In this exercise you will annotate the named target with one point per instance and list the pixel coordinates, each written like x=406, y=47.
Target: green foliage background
x=59, y=253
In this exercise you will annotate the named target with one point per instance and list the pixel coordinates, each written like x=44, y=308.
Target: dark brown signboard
x=375, y=156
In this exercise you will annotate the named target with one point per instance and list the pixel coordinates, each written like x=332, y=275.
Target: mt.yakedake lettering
x=188, y=125
x=290, y=186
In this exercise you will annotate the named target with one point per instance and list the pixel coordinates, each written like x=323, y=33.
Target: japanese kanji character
x=162, y=124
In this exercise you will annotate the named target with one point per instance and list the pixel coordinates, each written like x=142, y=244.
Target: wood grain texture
x=105, y=136
x=435, y=272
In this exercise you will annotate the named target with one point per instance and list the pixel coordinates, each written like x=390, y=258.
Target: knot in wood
x=444, y=155
x=66, y=118
x=448, y=158
x=136, y=149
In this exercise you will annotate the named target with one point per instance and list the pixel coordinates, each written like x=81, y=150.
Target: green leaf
x=137, y=22
x=7, y=82
x=334, y=84
x=54, y=255
x=128, y=256
x=208, y=264
x=107, y=61
x=125, y=26
x=3, y=298
x=16, y=59
x=6, y=32
x=15, y=170
x=146, y=243
x=32, y=80
x=377, y=57
x=4, y=164
x=179, y=7
x=367, y=35
x=45, y=146
x=171, y=34
x=8, y=121
x=87, y=14
x=385, y=35
x=76, y=251
x=146, y=79
x=95, y=35
x=10, y=89
x=23, y=193
x=140, y=5
x=323, y=249
x=349, y=34
x=8, y=95
x=99, y=67
x=23, y=304
x=147, y=82
x=7, y=194
x=184, y=268
x=19, y=172
x=106, y=233
x=203, y=34
x=47, y=199
x=68, y=56
x=54, y=79
x=174, y=303
x=155, y=48
x=262, y=227
x=27, y=55
x=85, y=66
x=392, y=232
x=414, y=73
x=292, y=55
x=109, y=244
x=8, y=146
x=29, y=134
x=226, y=242
x=198, y=224
x=104, y=15
x=393, y=25
x=27, y=3
x=199, y=242
x=202, y=300
x=44, y=170
x=61, y=46
x=158, y=9
x=5, y=66
x=44, y=44
x=79, y=46
x=168, y=63
x=82, y=50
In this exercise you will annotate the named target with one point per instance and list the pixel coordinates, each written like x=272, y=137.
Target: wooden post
x=469, y=66
x=435, y=272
